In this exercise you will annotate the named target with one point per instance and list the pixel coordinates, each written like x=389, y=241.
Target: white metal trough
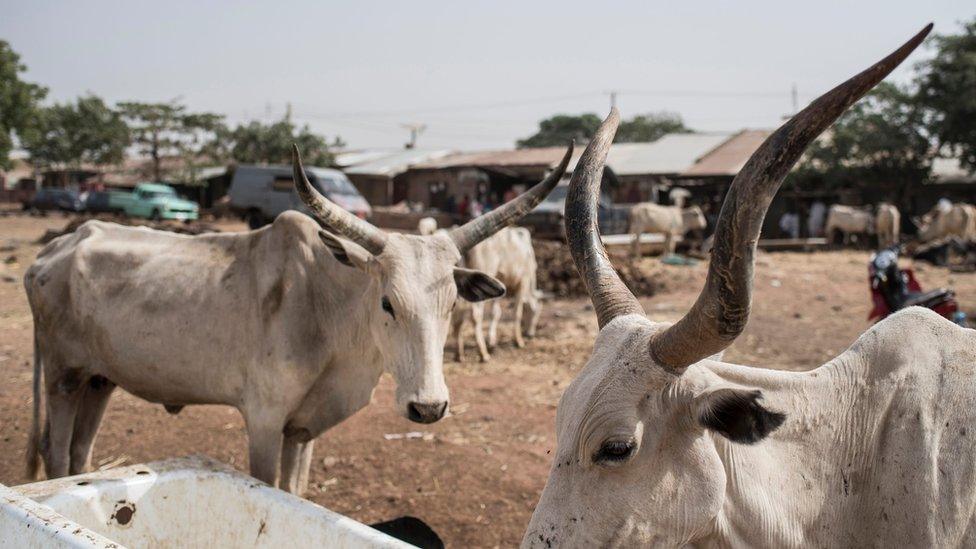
x=186, y=502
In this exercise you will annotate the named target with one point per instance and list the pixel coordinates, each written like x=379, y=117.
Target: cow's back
x=508, y=255
x=655, y=218
x=170, y=317
x=912, y=441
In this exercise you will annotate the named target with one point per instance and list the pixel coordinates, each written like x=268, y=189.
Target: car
x=260, y=193
x=55, y=199
x=154, y=201
x=99, y=202
x=547, y=219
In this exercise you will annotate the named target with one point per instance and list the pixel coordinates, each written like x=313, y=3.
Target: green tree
x=259, y=143
x=69, y=134
x=167, y=130
x=18, y=102
x=880, y=142
x=947, y=90
x=645, y=128
x=558, y=130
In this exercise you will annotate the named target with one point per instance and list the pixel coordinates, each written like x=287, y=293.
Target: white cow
x=660, y=444
x=848, y=221
x=887, y=225
x=509, y=257
x=427, y=226
x=671, y=221
x=290, y=324
x=955, y=220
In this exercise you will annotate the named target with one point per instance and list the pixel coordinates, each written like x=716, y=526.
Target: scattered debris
x=110, y=462
x=557, y=272
x=412, y=434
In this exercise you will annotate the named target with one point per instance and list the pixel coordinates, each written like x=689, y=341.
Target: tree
x=87, y=131
x=558, y=130
x=645, y=128
x=946, y=85
x=259, y=143
x=879, y=142
x=18, y=102
x=168, y=130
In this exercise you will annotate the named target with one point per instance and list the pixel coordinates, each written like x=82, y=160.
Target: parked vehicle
x=52, y=199
x=154, y=201
x=546, y=220
x=893, y=288
x=260, y=193
x=99, y=202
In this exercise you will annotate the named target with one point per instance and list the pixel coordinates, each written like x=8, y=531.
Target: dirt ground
x=476, y=475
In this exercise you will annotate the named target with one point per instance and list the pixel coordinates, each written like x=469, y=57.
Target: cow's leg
x=296, y=459
x=477, y=315
x=264, y=445
x=458, y=328
x=519, y=307
x=91, y=408
x=63, y=395
x=635, y=246
x=535, y=311
x=496, y=315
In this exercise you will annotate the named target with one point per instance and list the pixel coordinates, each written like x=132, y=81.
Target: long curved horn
x=722, y=309
x=610, y=297
x=471, y=233
x=334, y=217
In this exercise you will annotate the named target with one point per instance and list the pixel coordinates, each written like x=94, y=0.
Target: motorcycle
x=893, y=288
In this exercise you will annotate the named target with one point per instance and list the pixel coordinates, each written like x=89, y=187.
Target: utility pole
x=796, y=99
x=613, y=99
x=415, y=130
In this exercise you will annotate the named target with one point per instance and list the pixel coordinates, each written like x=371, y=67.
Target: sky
x=478, y=75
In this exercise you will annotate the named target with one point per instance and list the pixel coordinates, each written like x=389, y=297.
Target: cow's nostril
x=422, y=412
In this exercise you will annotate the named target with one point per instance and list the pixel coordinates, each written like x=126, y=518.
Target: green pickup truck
x=154, y=201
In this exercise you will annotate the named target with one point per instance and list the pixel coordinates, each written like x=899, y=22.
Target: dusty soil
x=477, y=474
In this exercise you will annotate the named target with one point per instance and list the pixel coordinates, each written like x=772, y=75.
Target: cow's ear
x=476, y=286
x=345, y=252
x=736, y=414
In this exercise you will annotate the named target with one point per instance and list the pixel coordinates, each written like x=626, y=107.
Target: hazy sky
x=479, y=75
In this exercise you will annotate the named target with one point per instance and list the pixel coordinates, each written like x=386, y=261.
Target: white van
x=260, y=193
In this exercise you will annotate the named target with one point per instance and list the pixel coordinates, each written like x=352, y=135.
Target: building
x=377, y=174
x=644, y=170
x=486, y=176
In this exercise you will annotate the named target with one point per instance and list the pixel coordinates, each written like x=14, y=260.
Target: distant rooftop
x=729, y=157
x=386, y=162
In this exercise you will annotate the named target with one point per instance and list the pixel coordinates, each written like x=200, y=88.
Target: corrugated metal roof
x=729, y=157
x=672, y=154
x=542, y=157
x=389, y=163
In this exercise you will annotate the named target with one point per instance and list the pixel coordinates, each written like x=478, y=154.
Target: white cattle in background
x=509, y=257
x=848, y=222
x=887, y=225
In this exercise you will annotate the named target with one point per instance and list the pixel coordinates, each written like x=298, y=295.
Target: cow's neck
x=348, y=317
x=776, y=486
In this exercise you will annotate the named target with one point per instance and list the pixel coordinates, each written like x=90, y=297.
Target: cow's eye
x=614, y=451
x=387, y=306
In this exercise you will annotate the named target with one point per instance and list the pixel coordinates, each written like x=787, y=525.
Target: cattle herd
x=658, y=441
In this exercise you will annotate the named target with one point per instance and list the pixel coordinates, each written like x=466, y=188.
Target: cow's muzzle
x=426, y=412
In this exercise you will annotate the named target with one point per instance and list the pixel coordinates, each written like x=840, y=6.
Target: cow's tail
x=34, y=440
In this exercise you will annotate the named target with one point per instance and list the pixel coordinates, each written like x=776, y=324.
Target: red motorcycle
x=893, y=289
